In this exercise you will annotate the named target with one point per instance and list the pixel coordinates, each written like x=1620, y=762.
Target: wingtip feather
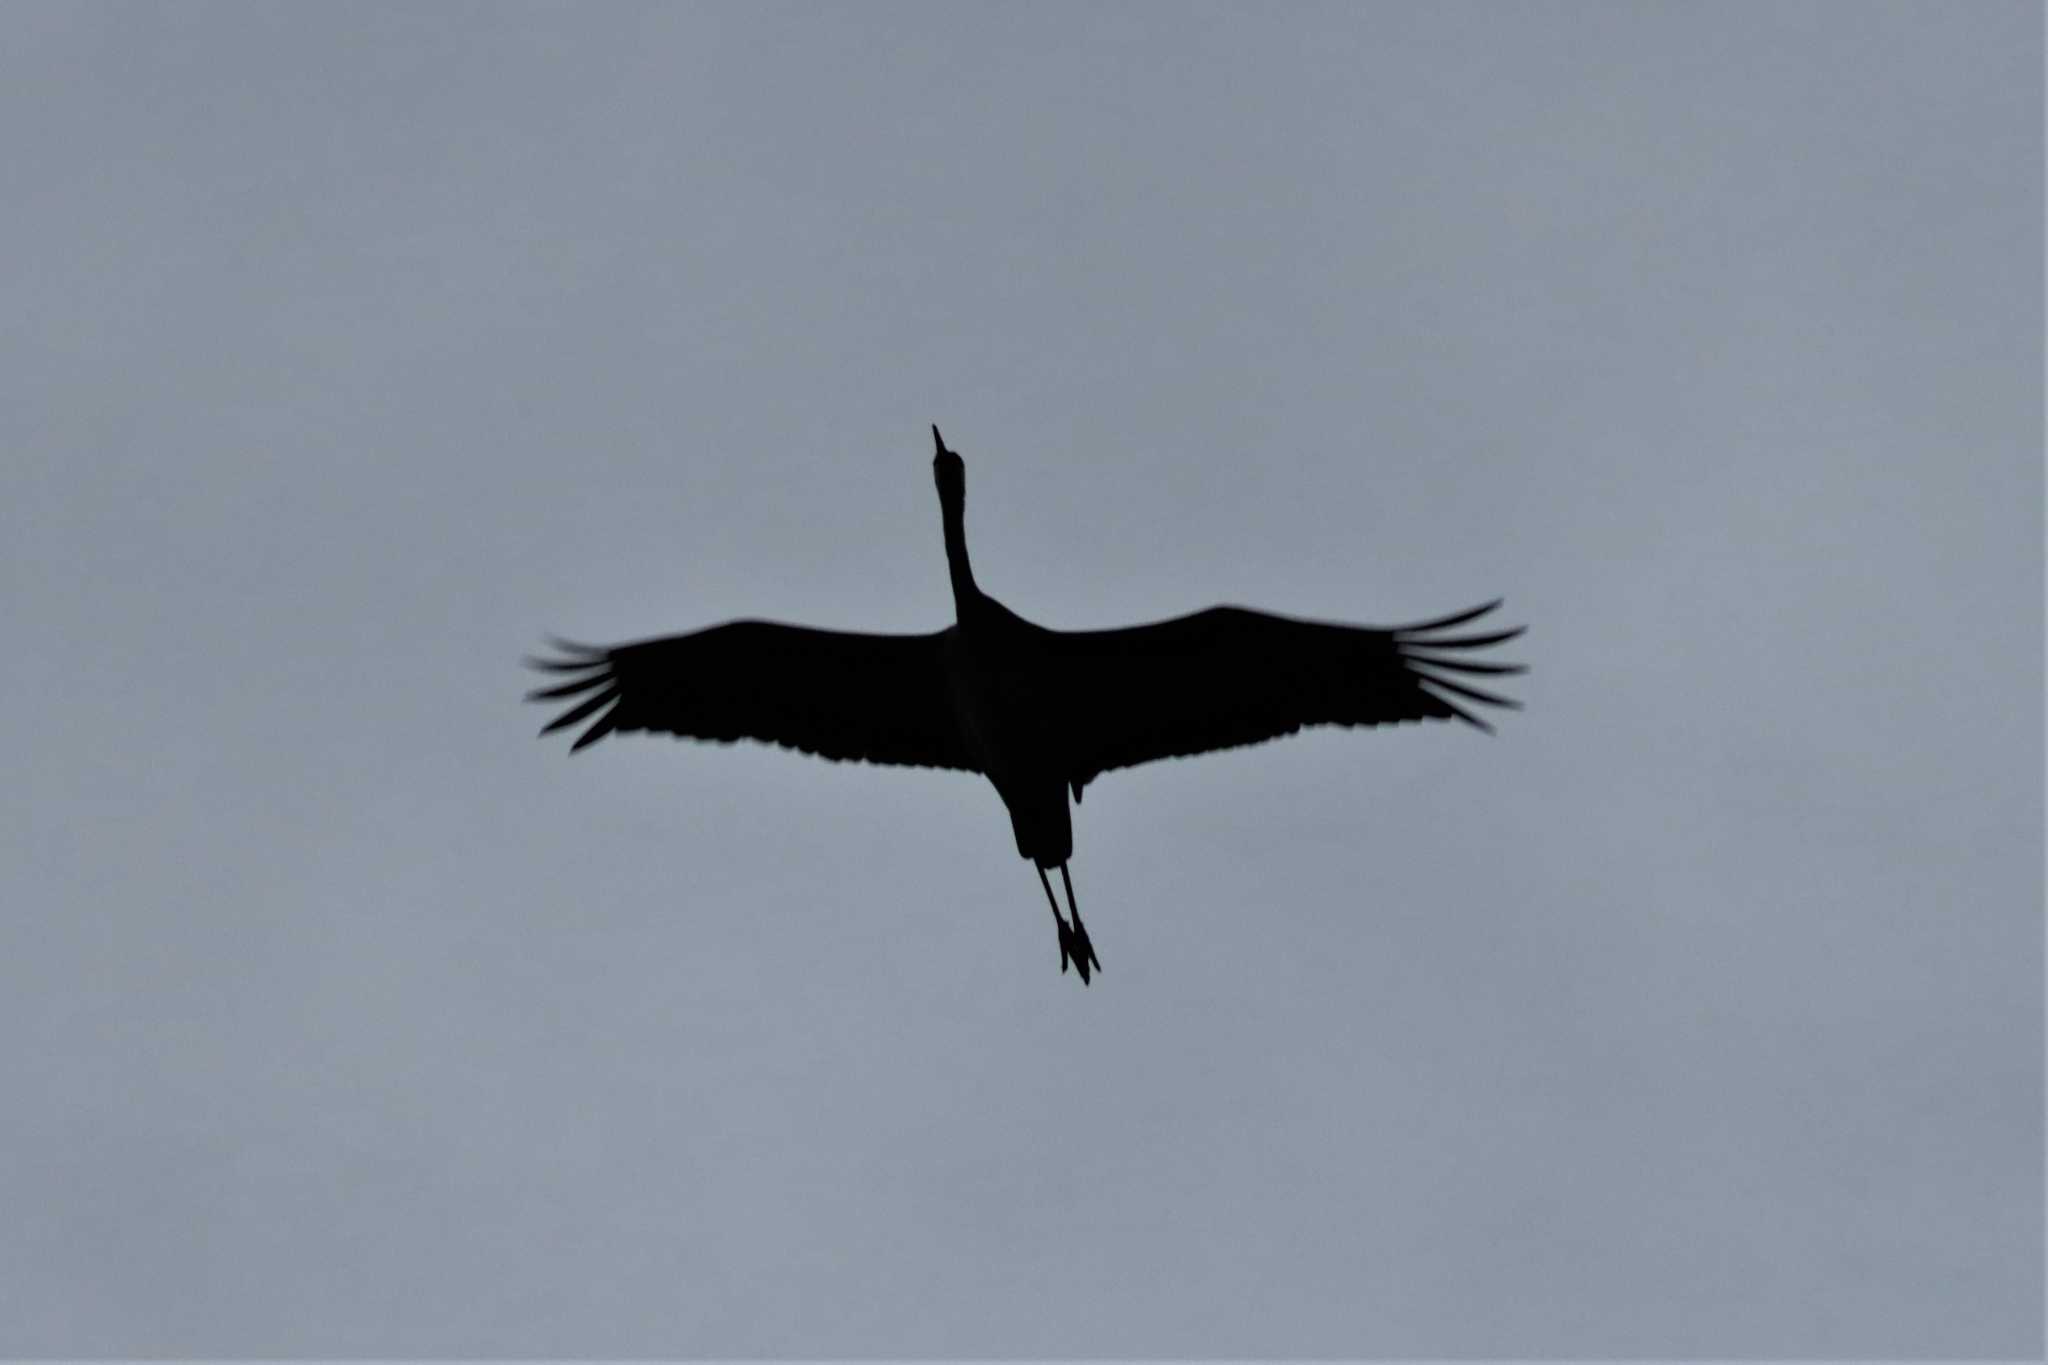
x=1497, y=637
x=568, y=689
x=582, y=710
x=1472, y=692
x=1454, y=619
x=604, y=726
x=1464, y=665
x=1456, y=710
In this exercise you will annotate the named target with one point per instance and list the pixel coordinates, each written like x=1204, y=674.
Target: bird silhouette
x=1041, y=713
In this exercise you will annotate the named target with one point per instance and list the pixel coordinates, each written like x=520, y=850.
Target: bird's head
x=949, y=471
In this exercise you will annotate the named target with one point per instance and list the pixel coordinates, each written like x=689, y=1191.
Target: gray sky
x=349, y=348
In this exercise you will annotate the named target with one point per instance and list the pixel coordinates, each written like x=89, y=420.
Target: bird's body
x=1008, y=711
x=1039, y=712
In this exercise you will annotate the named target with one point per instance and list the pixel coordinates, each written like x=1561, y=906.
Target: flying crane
x=1041, y=713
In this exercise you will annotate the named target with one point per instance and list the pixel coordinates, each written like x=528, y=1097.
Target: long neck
x=965, y=594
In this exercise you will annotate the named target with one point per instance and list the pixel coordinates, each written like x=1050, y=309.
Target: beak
x=938, y=440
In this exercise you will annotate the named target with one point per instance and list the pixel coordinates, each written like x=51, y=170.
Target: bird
x=1040, y=713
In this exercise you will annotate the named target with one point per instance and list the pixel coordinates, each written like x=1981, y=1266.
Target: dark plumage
x=1040, y=712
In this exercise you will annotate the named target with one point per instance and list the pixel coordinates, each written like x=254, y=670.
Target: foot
x=1082, y=949
x=1074, y=947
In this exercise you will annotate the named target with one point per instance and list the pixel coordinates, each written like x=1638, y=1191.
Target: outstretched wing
x=878, y=698
x=1228, y=676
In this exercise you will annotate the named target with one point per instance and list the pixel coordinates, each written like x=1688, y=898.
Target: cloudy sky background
x=351, y=348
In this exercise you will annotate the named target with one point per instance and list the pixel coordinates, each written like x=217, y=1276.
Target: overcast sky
x=350, y=348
